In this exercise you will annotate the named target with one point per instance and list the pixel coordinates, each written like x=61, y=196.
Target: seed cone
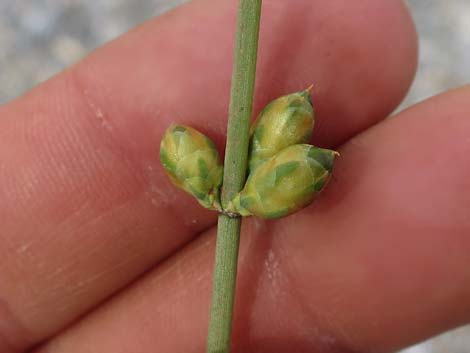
x=192, y=162
x=285, y=121
x=285, y=183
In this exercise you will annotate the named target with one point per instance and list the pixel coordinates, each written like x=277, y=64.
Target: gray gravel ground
x=444, y=41
x=41, y=37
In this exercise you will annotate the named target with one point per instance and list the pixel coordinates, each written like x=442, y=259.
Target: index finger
x=85, y=206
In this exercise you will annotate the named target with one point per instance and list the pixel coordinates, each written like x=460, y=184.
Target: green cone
x=285, y=183
x=284, y=122
x=192, y=162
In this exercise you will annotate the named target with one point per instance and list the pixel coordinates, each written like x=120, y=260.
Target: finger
x=379, y=262
x=85, y=206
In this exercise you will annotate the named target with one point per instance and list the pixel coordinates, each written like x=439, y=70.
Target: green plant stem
x=236, y=155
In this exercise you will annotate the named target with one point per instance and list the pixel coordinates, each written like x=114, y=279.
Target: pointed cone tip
x=307, y=93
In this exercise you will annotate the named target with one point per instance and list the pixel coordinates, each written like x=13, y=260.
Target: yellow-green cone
x=192, y=162
x=285, y=183
x=284, y=122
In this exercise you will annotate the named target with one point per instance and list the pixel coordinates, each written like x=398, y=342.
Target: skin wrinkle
x=95, y=220
x=89, y=223
x=71, y=136
x=53, y=348
x=164, y=194
x=75, y=79
x=93, y=251
x=81, y=286
x=61, y=140
x=57, y=272
x=72, y=290
x=105, y=244
x=107, y=134
x=63, y=227
x=67, y=139
x=12, y=325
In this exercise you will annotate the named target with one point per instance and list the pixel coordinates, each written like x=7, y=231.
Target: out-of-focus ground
x=444, y=44
x=41, y=37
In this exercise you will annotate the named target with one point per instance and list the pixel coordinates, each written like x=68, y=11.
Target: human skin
x=101, y=254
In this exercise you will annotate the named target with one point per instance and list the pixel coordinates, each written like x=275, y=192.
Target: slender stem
x=236, y=155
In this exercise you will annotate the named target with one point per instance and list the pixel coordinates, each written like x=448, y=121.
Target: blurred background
x=38, y=38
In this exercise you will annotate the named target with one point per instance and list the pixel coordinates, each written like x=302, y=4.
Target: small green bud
x=192, y=162
x=285, y=183
x=284, y=122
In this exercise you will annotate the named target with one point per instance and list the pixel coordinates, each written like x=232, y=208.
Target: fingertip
x=374, y=64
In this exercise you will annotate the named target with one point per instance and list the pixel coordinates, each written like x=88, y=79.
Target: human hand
x=378, y=262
